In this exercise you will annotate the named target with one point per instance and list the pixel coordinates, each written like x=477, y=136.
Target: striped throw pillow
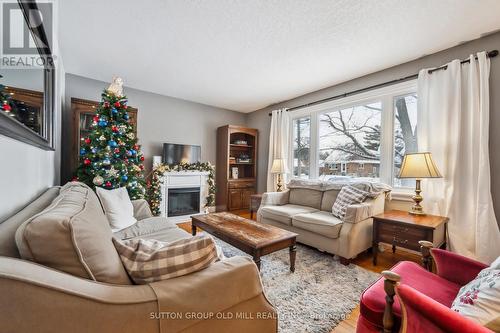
x=348, y=195
x=148, y=260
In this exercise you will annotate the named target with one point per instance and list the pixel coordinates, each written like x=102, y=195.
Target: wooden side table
x=400, y=228
x=255, y=200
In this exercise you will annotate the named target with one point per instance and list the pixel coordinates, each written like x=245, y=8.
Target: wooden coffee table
x=256, y=239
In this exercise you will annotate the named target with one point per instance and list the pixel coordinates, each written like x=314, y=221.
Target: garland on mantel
x=154, y=184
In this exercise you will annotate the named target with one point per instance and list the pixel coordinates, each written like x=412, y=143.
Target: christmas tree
x=110, y=157
x=5, y=101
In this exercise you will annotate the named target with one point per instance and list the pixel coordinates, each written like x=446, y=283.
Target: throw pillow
x=496, y=264
x=479, y=300
x=117, y=207
x=150, y=260
x=348, y=195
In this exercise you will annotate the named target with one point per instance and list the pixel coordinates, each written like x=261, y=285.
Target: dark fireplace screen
x=183, y=201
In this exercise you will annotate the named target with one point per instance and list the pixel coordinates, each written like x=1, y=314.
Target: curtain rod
x=490, y=54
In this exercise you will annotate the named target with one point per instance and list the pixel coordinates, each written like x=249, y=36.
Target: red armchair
x=423, y=298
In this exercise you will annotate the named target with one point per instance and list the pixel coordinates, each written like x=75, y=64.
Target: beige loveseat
x=306, y=209
x=36, y=298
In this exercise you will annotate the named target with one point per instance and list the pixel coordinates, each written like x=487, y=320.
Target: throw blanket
x=372, y=187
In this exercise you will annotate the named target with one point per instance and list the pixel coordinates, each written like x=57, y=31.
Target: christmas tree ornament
x=124, y=178
x=93, y=150
x=111, y=172
x=82, y=151
x=6, y=107
x=106, y=104
x=125, y=116
x=142, y=158
x=117, y=150
x=98, y=180
x=112, y=143
x=131, y=136
x=116, y=87
x=114, y=128
x=114, y=111
x=96, y=118
x=102, y=138
x=106, y=161
x=86, y=161
x=87, y=141
x=117, y=104
x=129, y=153
x=108, y=184
x=103, y=123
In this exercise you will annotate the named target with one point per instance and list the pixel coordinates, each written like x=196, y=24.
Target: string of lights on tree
x=154, y=184
x=110, y=156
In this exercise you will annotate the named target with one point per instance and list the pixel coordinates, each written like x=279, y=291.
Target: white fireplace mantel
x=183, y=179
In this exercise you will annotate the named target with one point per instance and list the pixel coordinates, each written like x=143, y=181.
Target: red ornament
x=136, y=147
x=108, y=184
x=96, y=118
x=125, y=107
x=117, y=104
x=74, y=179
x=117, y=150
x=87, y=141
x=114, y=128
x=6, y=107
x=106, y=104
x=142, y=158
x=141, y=167
x=86, y=161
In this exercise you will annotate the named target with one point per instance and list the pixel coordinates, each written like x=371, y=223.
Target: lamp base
x=417, y=209
x=279, y=185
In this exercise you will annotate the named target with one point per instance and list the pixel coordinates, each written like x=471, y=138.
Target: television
x=176, y=153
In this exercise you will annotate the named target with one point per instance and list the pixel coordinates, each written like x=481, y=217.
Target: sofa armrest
x=456, y=268
x=275, y=198
x=212, y=291
x=141, y=209
x=359, y=212
x=423, y=314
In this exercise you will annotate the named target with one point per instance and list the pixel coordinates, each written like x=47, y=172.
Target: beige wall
x=260, y=119
x=160, y=119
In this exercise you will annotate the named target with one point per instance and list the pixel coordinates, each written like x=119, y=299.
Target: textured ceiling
x=244, y=55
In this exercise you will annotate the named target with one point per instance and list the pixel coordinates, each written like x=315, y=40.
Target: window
x=350, y=136
x=405, y=134
x=362, y=136
x=301, y=146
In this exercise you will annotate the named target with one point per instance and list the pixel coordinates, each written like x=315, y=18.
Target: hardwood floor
x=386, y=260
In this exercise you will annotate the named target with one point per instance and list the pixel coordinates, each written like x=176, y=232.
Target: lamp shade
x=279, y=166
x=419, y=165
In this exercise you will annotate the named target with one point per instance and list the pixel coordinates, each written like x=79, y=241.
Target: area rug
x=320, y=294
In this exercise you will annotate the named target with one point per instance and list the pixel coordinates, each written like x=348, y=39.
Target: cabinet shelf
x=240, y=146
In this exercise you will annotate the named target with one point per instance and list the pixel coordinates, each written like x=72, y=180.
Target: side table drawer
x=401, y=235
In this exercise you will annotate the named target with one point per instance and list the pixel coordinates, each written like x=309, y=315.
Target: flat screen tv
x=176, y=153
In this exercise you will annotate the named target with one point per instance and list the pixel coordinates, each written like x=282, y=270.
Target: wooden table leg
x=393, y=248
x=293, y=254
x=193, y=229
x=256, y=259
x=375, y=253
x=251, y=214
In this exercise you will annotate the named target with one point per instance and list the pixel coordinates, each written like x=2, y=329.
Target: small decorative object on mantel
x=418, y=165
x=153, y=193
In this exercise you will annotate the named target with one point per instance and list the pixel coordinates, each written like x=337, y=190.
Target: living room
x=271, y=166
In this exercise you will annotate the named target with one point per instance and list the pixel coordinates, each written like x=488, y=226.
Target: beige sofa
x=306, y=209
x=36, y=298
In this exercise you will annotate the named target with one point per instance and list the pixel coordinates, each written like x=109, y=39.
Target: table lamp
x=279, y=168
x=418, y=166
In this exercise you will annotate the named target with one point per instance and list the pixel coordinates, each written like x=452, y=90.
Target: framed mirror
x=27, y=90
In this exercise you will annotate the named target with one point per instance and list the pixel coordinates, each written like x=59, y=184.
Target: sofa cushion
x=305, y=197
x=149, y=260
x=373, y=298
x=348, y=195
x=328, y=200
x=284, y=213
x=323, y=223
x=144, y=228
x=73, y=235
x=117, y=207
x=8, y=247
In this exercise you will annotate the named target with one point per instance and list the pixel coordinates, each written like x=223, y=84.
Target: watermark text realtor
x=26, y=36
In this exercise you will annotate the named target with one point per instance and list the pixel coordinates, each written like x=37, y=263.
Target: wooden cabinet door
x=245, y=197
x=234, y=199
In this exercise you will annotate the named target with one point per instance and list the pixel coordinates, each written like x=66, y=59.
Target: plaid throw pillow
x=147, y=260
x=348, y=195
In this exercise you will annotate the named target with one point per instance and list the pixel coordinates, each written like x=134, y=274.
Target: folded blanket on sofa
x=374, y=188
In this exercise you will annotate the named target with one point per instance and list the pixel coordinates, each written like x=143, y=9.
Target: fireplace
x=183, y=201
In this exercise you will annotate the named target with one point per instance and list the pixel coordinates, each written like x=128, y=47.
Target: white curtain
x=453, y=125
x=279, y=143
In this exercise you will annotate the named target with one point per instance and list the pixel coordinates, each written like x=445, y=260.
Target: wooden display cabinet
x=236, y=151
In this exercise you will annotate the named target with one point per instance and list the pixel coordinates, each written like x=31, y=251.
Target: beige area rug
x=320, y=294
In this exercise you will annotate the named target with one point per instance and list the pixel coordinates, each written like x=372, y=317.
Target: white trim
x=386, y=96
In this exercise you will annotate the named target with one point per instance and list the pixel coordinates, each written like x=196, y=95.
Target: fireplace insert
x=183, y=201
